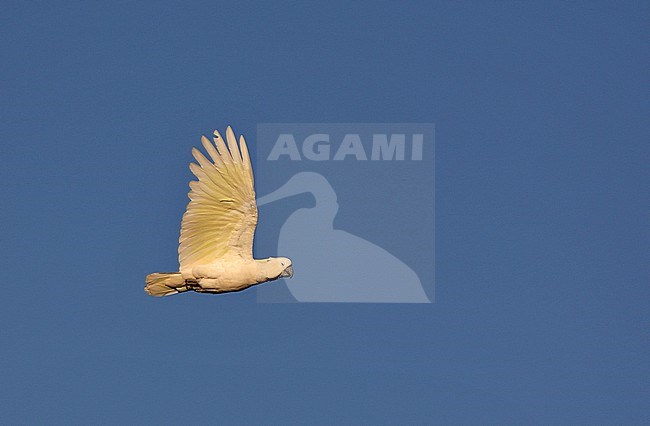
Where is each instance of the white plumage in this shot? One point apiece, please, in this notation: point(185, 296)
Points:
point(216, 243)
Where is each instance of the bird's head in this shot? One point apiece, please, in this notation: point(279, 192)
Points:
point(276, 267)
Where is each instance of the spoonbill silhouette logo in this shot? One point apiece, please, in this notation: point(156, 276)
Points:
point(333, 265)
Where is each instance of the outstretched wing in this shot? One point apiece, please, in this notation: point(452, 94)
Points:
point(221, 217)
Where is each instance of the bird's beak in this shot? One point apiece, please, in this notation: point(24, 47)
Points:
point(288, 272)
point(293, 187)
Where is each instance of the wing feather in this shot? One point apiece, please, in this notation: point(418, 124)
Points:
point(232, 146)
point(211, 150)
point(245, 157)
point(220, 219)
point(221, 147)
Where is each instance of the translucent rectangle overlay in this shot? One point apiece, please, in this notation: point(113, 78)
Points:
point(352, 205)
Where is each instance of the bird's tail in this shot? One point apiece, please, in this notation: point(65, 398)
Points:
point(165, 284)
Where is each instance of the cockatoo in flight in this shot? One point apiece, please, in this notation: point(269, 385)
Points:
point(216, 243)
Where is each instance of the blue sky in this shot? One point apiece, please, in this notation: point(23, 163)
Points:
point(541, 113)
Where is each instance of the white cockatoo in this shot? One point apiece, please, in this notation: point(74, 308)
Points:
point(216, 243)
